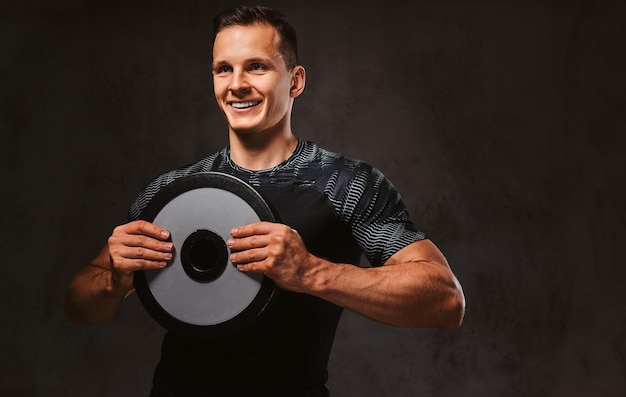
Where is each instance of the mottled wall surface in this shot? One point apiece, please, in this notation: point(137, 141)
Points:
point(502, 124)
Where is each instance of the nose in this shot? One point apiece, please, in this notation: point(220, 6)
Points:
point(238, 81)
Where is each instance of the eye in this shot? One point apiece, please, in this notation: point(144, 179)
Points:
point(222, 69)
point(257, 67)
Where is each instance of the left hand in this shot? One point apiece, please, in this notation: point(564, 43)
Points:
point(274, 249)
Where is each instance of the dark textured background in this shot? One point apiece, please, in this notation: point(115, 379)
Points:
point(502, 124)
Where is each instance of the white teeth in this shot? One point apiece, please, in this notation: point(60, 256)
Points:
point(243, 105)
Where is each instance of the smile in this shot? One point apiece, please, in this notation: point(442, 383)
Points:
point(244, 105)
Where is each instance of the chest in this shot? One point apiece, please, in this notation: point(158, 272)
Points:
point(308, 210)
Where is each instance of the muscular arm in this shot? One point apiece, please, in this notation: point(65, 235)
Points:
point(96, 293)
point(415, 287)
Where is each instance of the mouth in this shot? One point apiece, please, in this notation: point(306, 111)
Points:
point(244, 105)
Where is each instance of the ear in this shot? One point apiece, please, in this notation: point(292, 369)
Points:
point(298, 80)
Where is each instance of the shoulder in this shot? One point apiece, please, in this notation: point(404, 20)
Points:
point(335, 166)
point(157, 184)
point(345, 175)
point(364, 198)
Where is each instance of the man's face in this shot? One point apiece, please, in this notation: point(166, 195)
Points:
point(252, 85)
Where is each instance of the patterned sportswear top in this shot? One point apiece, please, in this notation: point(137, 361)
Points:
point(341, 208)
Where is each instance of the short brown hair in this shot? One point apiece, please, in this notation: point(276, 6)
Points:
point(250, 15)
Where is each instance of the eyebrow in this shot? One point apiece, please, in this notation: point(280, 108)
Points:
point(251, 60)
point(217, 64)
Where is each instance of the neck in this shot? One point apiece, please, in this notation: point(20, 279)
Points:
point(255, 153)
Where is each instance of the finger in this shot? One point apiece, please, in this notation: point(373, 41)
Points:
point(247, 256)
point(252, 229)
point(149, 243)
point(255, 267)
point(142, 227)
point(246, 243)
point(130, 265)
point(142, 253)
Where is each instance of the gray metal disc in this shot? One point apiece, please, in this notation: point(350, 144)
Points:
point(201, 291)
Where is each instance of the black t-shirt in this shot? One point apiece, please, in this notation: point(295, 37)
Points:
point(341, 208)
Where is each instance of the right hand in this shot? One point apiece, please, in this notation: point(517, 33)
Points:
point(137, 245)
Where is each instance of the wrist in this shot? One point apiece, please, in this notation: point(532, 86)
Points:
point(319, 276)
point(118, 287)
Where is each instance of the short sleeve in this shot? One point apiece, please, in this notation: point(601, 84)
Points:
point(373, 207)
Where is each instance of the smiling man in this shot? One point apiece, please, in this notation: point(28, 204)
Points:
point(254, 86)
point(333, 210)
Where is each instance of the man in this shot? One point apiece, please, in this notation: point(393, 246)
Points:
point(333, 209)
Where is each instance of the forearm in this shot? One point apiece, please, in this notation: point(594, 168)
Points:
point(406, 294)
point(97, 292)
point(92, 297)
point(414, 288)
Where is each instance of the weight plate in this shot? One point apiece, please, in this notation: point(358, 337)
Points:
point(201, 292)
